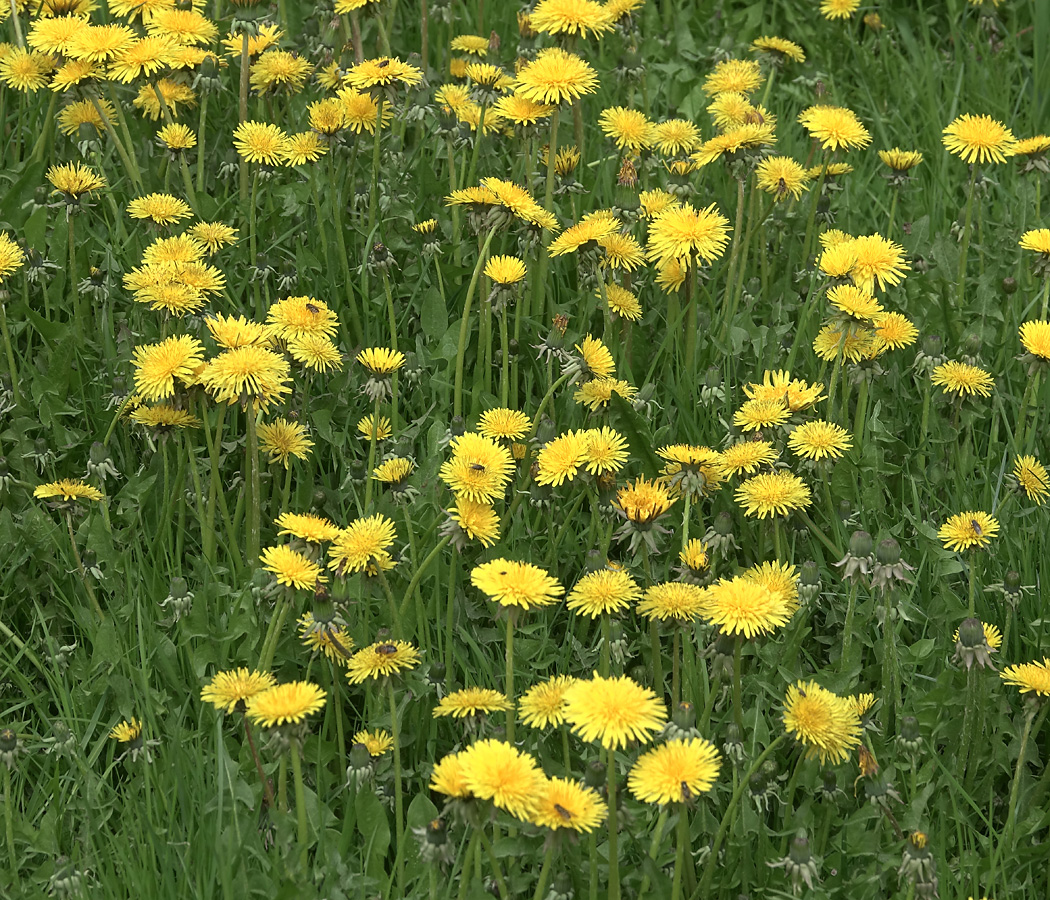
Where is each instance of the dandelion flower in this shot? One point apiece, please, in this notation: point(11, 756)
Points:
point(761, 413)
point(967, 530)
point(316, 352)
point(363, 546)
point(1035, 338)
point(835, 127)
point(643, 502)
point(747, 457)
point(556, 76)
point(232, 689)
point(386, 71)
point(894, 331)
point(449, 777)
point(505, 269)
point(287, 703)
point(503, 424)
point(259, 142)
point(674, 600)
point(682, 231)
point(74, 180)
point(622, 302)
point(779, 48)
point(740, 76)
point(497, 771)
point(675, 772)
point(745, 606)
point(368, 424)
point(291, 568)
point(603, 592)
point(780, 579)
point(247, 373)
point(824, 723)
point(375, 742)
point(471, 702)
point(479, 468)
point(561, 803)
point(819, 440)
point(162, 209)
point(838, 9)
point(11, 256)
point(520, 584)
point(979, 139)
point(127, 731)
point(781, 176)
point(597, 393)
point(585, 18)
point(282, 439)
point(773, 494)
point(794, 393)
point(307, 527)
point(674, 137)
point(543, 704)
point(381, 660)
point(613, 710)
point(68, 490)
point(560, 459)
point(629, 128)
point(1032, 478)
point(1031, 677)
point(962, 379)
point(879, 262)
point(478, 521)
point(158, 365)
point(381, 360)
point(606, 450)
point(900, 160)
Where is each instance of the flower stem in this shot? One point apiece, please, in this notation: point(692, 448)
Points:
point(300, 802)
point(373, 199)
point(510, 675)
point(964, 249)
point(372, 438)
point(255, 509)
point(9, 832)
point(273, 634)
point(682, 830)
point(847, 628)
point(545, 870)
point(201, 126)
point(654, 845)
point(464, 325)
point(11, 367)
point(242, 110)
point(738, 712)
point(80, 566)
point(614, 855)
point(539, 284)
point(399, 817)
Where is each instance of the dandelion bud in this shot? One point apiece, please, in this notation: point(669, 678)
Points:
point(734, 743)
point(9, 747)
point(359, 768)
point(594, 775)
point(380, 259)
point(561, 887)
point(684, 716)
point(974, 641)
point(436, 674)
point(434, 845)
point(909, 737)
point(829, 784)
point(918, 865)
point(100, 464)
point(800, 865)
point(859, 559)
point(809, 581)
point(5, 474)
point(889, 552)
point(860, 543)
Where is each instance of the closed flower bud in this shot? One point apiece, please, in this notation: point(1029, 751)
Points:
point(908, 737)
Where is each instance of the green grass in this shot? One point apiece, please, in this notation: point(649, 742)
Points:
point(189, 823)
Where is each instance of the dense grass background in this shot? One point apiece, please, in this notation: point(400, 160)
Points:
point(188, 824)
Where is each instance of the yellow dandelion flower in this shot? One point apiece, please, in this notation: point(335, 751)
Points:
point(747, 457)
point(682, 232)
point(979, 139)
point(817, 439)
point(740, 76)
point(1033, 677)
point(307, 527)
point(613, 710)
point(497, 771)
point(746, 606)
point(543, 704)
point(232, 689)
point(834, 127)
point(674, 600)
point(603, 592)
point(291, 568)
point(556, 76)
point(381, 660)
point(284, 704)
point(561, 803)
point(247, 373)
point(962, 379)
point(470, 702)
point(824, 723)
point(282, 439)
point(511, 583)
point(363, 546)
point(773, 494)
point(1032, 478)
point(675, 772)
point(158, 365)
point(967, 530)
point(68, 490)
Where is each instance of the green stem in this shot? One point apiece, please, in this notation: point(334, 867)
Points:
point(545, 869)
point(255, 508)
point(465, 877)
point(399, 816)
point(450, 611)
point(510, 675)
point(893, 210)
point(418, 575)
point(501, 885)
point(472, 172)
point(273, 634)
point(614, 854)
point(464, 325)
point(9, 831)
point(965, 248)
point(129, 164)
point(504, 382)
point(847, 628)
point(539, 284)
point(300, 802)
point(11, 367)
point(80, 566)
point(603, 662)
point(738, 711)
point(372, 438)
point(74, 283)
point(373, 199)
point(201, 127)
point(654, 845)
point(734, 255)
point(242, 110)
point(682, 830)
